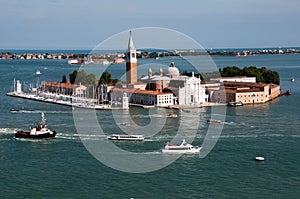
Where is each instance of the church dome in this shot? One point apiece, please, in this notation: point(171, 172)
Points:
point(172, 71)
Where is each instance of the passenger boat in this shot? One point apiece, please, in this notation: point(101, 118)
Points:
point(39, 131)
point(232, 103)
point(126, 137)
point(213, 121)
point(182, 148)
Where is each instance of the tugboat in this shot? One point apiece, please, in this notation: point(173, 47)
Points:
point(39, 131)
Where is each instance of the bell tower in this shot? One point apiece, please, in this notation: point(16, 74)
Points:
point(131, 63)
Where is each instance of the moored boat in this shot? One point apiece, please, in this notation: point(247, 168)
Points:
point(182, 148)
point(39, 131)
point(232, 103)
point(171, 115)
point(126, 137)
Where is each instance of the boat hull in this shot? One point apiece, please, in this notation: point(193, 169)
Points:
point(234, 104)
point(170, 151)
point(126, 139)
point(24, 134)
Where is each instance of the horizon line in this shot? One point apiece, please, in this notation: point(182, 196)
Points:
point(85, 49)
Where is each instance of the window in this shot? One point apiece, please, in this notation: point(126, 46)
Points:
point(133, 55)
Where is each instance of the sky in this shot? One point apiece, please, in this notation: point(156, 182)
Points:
point(77, 24)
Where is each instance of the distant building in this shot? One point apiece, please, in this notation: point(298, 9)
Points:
point(144, 97)
point(118, 60)
point(64, 88)
point(75, 61)
point(247, 93)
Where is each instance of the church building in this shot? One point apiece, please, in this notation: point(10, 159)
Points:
point(158, 90)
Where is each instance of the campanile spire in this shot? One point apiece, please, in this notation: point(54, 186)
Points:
point(130, 43)
point(131, 62)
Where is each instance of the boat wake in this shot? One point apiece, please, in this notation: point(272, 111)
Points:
point(8, 130)
point(71, 136)
point(40, 111)
point(148, 116)
point(257, 135)
point(44, 141)
point(230, 123)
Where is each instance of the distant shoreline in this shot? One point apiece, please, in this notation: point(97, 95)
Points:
point(87, 51)
point(9, 54)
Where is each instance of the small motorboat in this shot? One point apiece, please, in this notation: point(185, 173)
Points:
point(259, 158)
point(126, 137)
point(213, 121)
point(292, 79)
point(287, 93)
point(14, 110)
point(182, 148)
point(234, 104)
point(39, 131)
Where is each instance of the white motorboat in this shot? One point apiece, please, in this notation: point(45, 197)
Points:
point(182, 148)
point(258, 158)
point(232, 103)
point(292, 79)
point(126, 137)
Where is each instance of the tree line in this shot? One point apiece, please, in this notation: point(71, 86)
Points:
point(82, 77)
point(262, 74)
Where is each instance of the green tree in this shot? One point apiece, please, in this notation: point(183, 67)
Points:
point(262, 74)
point(105, 78)
point(231, 71)
point(91, 79)
point(64, 79)
point(73, 76)
point(271, 77)
point(81, 77)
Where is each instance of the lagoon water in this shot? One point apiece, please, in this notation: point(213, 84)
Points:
point(63, 168)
